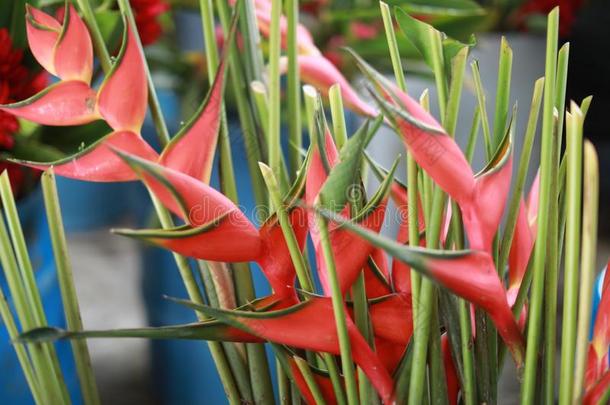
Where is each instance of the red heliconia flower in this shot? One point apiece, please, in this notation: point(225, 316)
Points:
point(146, 14)
point(72, 102)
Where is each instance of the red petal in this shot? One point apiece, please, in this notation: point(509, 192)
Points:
point(520, 249)
point(73, 59)
point(349, 250)
point(324, 383)
point(218, 230)
point(392, 318)
point(275, 258)
point(317, 173)
point(594, 395)
point(99, 161)
point(532, 204)
point(389, 353)
point(319, 72)
point(192, 150)
point(127, 77)
point(62, 104)
point(376, 275)
point(601, 329)
point(473, 276)
point(483, 212)
point(43, 32)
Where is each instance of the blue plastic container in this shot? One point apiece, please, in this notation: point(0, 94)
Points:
point(13, 387)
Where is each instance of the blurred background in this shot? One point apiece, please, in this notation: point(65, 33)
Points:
point(120, 282)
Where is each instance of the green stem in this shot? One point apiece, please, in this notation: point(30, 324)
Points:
point(310, 380)
point(482, 108)
point(587, 264)
point(552, 283)
point(68, 290)
point(96, 35)
point(337, 114)
point(502, 92)
point(28, 282)
point(546, 172)
point(22, 354)
point(41, 365)
point(274, 88)
point(412, 169)
point(573, 203)
point(293, 87)
point(339, 312)
point(283, 384)
point(524, 161)
point(153, 101)
point(362, 319)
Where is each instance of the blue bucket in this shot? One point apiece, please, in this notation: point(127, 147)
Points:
point(13, 386)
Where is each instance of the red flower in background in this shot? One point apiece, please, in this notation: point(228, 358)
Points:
point(568, 10)
point(17, 82)
point(146, 13)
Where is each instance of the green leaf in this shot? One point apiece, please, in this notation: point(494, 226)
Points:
point(336, 190)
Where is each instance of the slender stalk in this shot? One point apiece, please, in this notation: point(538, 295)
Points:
point(503, 92)
point(253, 143)
point(262, 104)
point(310, 380)
point(337, 114)
point(274, 88)
point(41, 365)
point(153, 99)
point(480, 92)
point(552, 282)
point(28, 282)
point(283, 384)
point(573, 203)
point(293, 87)
point(22, 354)
point(412, 169)
point(587, 264)
point(96, 35)
point(362, 319)
point(339, 311)
point(546, 167)
point(524, 161)
point(68, 290)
